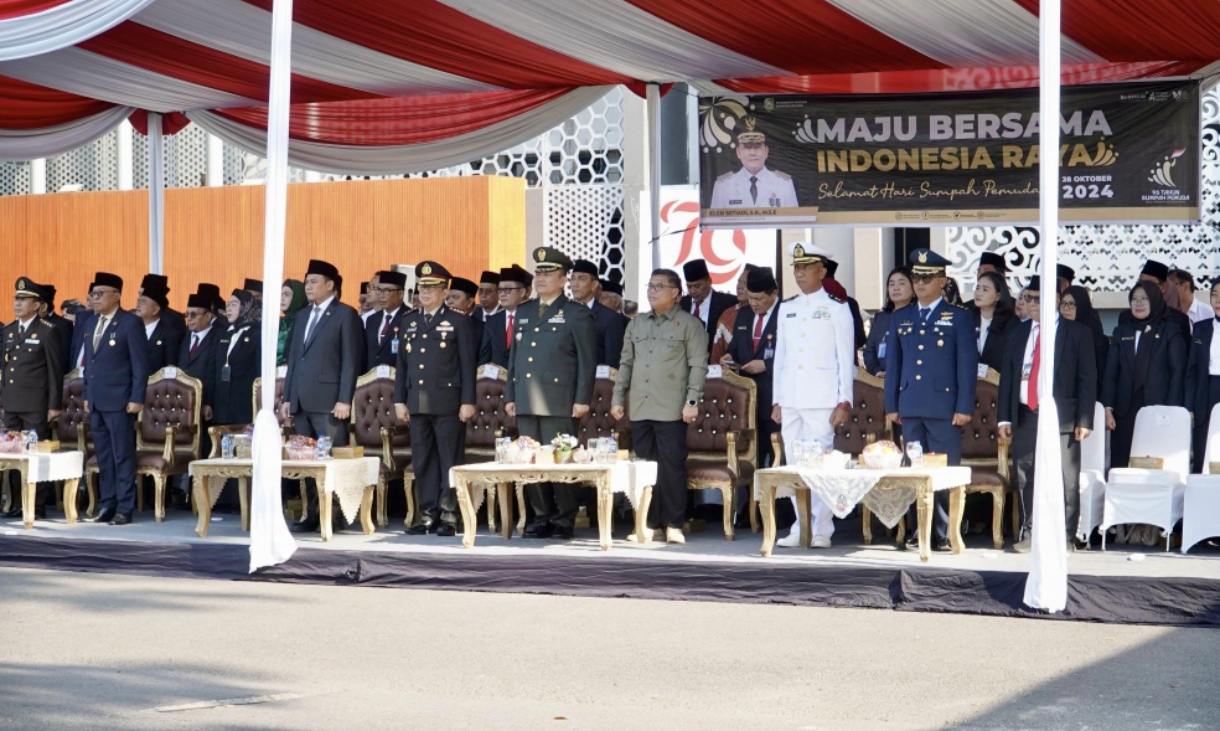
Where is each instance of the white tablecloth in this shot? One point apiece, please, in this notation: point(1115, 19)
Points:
point(629, 478)
point(50, 466)
point(344, 478)
point(843, 489)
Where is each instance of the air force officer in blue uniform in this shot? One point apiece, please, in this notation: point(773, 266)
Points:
point(116, 374)
point(930, 374)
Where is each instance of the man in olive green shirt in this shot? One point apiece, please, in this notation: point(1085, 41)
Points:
point(663, 367)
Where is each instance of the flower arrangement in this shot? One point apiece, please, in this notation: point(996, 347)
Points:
point(12, 442)
point(301, 448)
point(565, 443)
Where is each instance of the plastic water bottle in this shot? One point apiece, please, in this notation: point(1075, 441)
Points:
point(227, 448)
point(612, 449)
point(31, 443)
point(324, 448)
point(815, 453)
point(915, 454)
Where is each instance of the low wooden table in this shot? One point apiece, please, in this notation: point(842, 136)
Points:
point(36, 467)
point(208, 476)
point(634, 478)
point(857, 484)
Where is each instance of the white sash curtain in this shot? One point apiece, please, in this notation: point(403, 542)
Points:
point(32, 144)
point(62, 26)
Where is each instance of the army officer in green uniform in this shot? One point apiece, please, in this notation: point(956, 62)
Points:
point(551, 367)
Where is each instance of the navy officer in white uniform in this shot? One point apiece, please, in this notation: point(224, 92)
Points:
point(815, 358)
point(754, 185)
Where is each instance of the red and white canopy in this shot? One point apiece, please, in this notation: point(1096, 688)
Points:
point(412, 84)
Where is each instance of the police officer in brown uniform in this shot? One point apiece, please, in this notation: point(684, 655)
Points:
point(31, 389)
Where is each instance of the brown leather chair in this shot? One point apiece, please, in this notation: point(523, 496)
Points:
point(72, 427)
point(987, 456)
point(598, 422)
point(375, 427)
point(491, 422)
point(723, 450)
point(168, 435)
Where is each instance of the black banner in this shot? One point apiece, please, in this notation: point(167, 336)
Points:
point(1129, 153)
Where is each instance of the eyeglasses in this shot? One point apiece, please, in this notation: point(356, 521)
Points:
point(102, 292)
point(430, 287)
point(1031, 298)
point(386, 290)
point(925, 278)
point(508, 290)
point(659, 287)
point(1067, 305)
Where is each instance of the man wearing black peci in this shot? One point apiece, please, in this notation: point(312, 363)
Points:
point(702, 301)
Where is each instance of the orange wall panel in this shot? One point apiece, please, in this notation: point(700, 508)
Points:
point(215, 234)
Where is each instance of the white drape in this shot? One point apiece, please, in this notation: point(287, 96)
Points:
point(32, 144)
point(62, 26)
point(1046, 585)
point(402, 159)
point(156, 194)
point(270, 541)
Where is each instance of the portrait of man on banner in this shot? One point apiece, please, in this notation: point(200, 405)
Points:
point(754, 185)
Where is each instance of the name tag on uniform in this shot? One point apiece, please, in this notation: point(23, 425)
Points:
point(31, 341)
point(523, 321)
point(790, 314)
point(557, 320)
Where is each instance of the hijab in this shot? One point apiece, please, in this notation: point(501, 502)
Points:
point(249, 311)
point(1085, 314)
point(1143, 354)
point(298, 298)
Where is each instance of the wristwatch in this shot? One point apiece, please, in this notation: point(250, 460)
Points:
point(691, 403)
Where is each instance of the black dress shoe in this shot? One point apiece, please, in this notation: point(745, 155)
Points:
point(562, 533)
point(104, 516)
point(911, 543)
point(40, 512)
point(422, 527)
point(942, 544)
point(121, 519)
point(304, 526)
point(14, 512)
point(446, 530)
point(539, 530)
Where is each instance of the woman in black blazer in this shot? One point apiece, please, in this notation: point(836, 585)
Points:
point(992, 310)
point(238, 356)
point(1075, 304)
point(899, 291)
point(1203, 377)
point(1146, 366)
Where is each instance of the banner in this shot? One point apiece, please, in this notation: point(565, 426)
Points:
point(1129, 154)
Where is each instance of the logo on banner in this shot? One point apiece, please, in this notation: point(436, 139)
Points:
point(1162, 171)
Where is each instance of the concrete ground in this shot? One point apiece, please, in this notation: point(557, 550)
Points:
point(98, 651)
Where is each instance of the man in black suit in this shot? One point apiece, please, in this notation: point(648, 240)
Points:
point(62, 324)
point(323, 364)
point(381, 330)
point(254, 287)
point(164, 339)
point(551, 369)
point(514, 291)
point(702, 302)
point(610, 324)
point(31, 380)
point(82, 327)
point(489, 296)
point(160, 283)
point(751, 350)
point(1075, 394)
point(197, 358)
point(434, 393)
point(611, 295)
point(463, 298)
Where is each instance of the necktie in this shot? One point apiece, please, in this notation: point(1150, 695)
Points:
point(753, 188)
point(758, 328)
point(194, 345)
point(313, 320)
point(385, 325)
point(508, 333)
point(1032, 394)
point(541, 310)
point(97, 334)
point(923, 313)
point(698, 306)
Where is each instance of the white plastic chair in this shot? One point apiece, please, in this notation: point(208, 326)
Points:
point(1093, 476)
point(1201, 505)
point(1152, 497)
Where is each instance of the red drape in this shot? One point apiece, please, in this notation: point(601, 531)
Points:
point(21, 8)
point(28, 106)
point(171, 124)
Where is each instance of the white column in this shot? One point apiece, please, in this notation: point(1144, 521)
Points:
point(125, 158)
point(38, 176)
point(653, 104)
point(216, 162)
point(156, 194)
point(638, 261)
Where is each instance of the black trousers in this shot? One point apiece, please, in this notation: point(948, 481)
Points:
point(550, 502)
point(437, 443)
point(26, 422)
point(1202, 421)
point(941, 437)
point(664, 442)
point(315, 425)
point(114, 438)
point(1024, 446)
point(1124, 431)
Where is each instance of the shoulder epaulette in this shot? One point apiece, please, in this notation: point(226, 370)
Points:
point(959, 306)
point(836, 298)
point(45, 323)
point(726, 176)
point(792, 298)
point(782, 176)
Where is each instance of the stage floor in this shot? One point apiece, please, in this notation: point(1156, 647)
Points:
point(709, 546)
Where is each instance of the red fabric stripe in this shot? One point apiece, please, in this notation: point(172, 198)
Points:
point(805, 37)
point(21, 8)
point(1140, 30)
point(28, 106)
point(400, 121)
point(904, 82)
point(162, 53)
point(437, 36)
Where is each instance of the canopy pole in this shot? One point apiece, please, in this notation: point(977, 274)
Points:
point(270, 541)
point(156, 195)
point(1046, 586)
point(653, 110)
